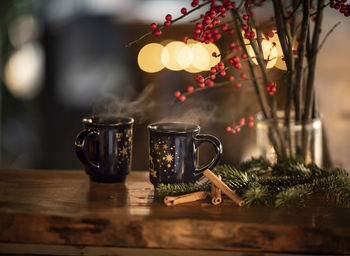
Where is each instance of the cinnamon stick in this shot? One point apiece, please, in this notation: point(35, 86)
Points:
point(187, 198)
point(216, 198)
point(224, 188)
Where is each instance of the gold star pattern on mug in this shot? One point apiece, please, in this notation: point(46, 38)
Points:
point(163, 152)
point(124, 151)
point(119, 136)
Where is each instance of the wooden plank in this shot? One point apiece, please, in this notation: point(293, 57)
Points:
point(67, 250)
point(65, 208)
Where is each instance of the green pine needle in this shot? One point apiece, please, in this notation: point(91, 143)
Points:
point(293, 195)
point(163, 190)
point(289, 181)
point(257, 195)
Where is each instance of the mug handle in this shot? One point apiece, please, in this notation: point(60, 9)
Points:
point(199, 139)
point(80, 149)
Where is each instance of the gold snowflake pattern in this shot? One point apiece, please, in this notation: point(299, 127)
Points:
point(119, 136)
point(169, 158)
point(153, 173)
point(165, 146)
point(124, 151)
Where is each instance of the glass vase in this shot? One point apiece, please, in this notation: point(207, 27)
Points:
point(277, 138)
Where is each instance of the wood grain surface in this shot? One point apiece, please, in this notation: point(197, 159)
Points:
point(65, 208)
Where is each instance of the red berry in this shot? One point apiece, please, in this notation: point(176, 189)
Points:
point(243, 75)
point(183, 10)
point(201, 85)
point(153, 26)
point(199, 25)
point(239, 48)
point(223, 73)
point(232, 45)
point(270, 34)
point(230, 31)
point(185, 39)
point(245, 27)
point(238, 129)
point(231, 78)
point(210, 83)
point(212, 70)
point(238, 65)
point(224, 27)
point(233, 131)
point(190, 89)
point(245, 16)
point(168, 17)
point(238, 85)
point(217, 37)
point(244, 56)
point(228, 128)
point(167, 24)
point(182, 98)
point(235, 59)
point(212, 77)
point(213, 54)
point(251, 118)
point(250, 124)
point(177, 94)
point(252, 34)
point(241, 121)
point(247, 35)
point(157, 32)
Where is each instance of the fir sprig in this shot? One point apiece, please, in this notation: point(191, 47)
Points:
point(289, 181)
point(176, 189)
point(294, 195)
point(257, 195)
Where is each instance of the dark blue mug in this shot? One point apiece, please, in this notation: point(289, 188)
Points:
point(173, 152)
point(105, 147)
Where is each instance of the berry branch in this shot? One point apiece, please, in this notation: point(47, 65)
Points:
point(292, 21)
point(158, 31)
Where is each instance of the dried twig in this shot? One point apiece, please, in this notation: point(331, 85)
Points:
point(161, 27)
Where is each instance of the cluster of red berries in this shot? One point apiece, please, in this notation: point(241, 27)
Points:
point(236, 62)
point(271, 88)
point(157, 31)
point(180, 96)
point(341, 6)
point(241, 123)
point(205, 31)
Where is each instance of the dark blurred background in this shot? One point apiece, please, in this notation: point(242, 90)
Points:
point(62, 60)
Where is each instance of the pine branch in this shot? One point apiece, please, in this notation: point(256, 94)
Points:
point(257, 195)
point(255, 164)
point(176, 189)
point(289, 181)
point(294, 195)
point(336, 187)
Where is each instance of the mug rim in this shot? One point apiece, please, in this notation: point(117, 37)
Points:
point(119, 120)
point(187, 127)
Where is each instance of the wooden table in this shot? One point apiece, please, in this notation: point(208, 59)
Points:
point(62, 212)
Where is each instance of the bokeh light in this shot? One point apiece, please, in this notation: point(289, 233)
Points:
point(149, 58)
point(24, 71)
point(193, 57)
point(176, 56)
point(269, 53)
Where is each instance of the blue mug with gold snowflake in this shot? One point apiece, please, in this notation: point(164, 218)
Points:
point(105, 147)
point(174, 154)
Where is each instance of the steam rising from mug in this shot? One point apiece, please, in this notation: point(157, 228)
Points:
point(151, 106)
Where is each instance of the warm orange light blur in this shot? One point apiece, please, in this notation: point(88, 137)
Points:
point(193, 57)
